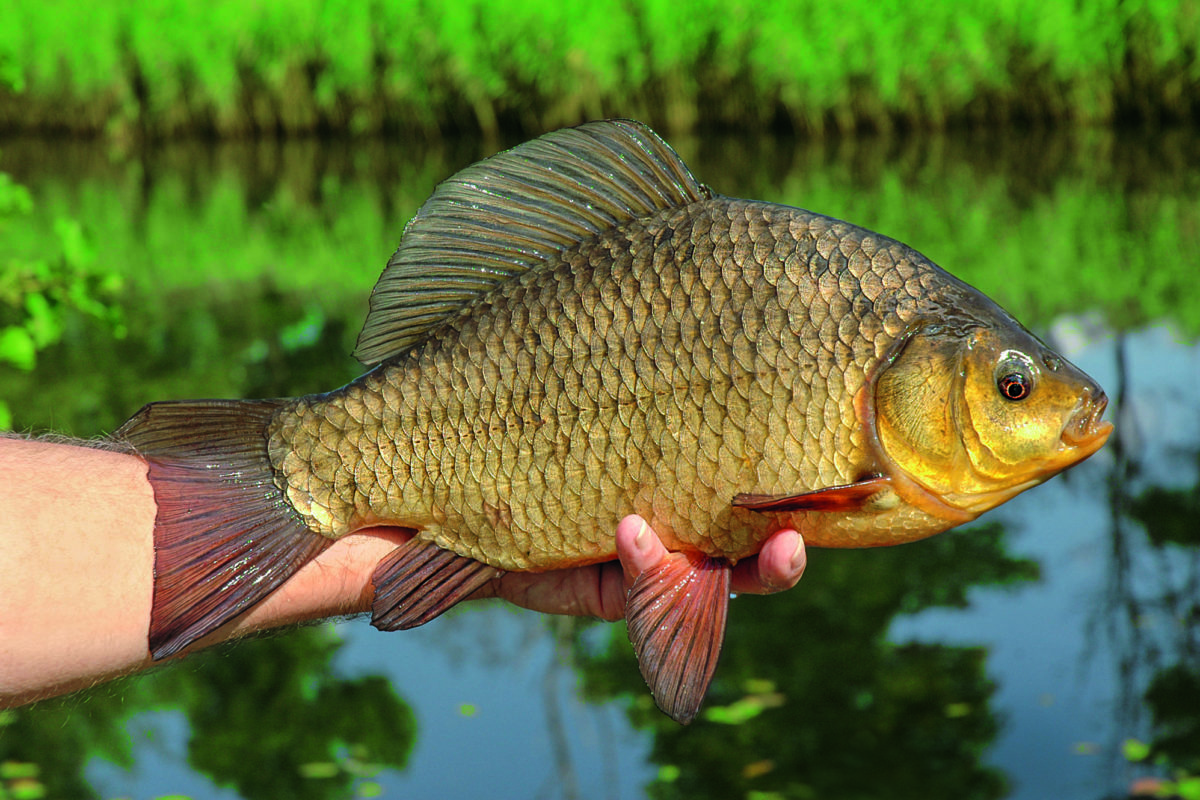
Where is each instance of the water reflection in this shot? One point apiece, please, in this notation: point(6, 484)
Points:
point(266, 721)
point(812, 700)
point(1009, 659)
point(1153, 587)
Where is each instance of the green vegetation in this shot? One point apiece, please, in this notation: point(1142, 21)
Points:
point(42, 289)
point(228, 68)
point(39, 294)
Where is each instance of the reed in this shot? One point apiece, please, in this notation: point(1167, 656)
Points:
point(227, 68)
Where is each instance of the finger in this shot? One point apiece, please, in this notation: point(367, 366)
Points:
point(598, 590)
point(593, 591)
point(777, 567)
point(638, 547)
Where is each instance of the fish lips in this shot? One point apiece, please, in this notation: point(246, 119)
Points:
point(1085, 431)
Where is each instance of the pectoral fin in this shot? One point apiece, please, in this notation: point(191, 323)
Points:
point(851, 497)
point(419, 581)
point(676, 617)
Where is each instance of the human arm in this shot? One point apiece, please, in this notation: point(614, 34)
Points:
point(77, 571)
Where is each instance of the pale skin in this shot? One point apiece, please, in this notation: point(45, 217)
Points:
point(77, 557)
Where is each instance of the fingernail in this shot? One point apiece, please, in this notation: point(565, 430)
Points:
point(799, 557)
point(642, 540)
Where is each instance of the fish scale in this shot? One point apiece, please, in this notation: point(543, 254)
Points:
point(569, 441)
point(576, 330)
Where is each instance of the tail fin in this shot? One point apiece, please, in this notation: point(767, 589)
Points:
point(225, 536)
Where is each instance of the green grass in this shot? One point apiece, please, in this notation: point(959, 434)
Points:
point(226, 67)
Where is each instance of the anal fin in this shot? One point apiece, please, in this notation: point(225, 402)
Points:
point(419, 581)
point(676, 616)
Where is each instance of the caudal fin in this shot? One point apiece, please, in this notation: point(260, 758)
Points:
point(225, 536)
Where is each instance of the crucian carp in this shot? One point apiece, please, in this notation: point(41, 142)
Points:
point(577, 329)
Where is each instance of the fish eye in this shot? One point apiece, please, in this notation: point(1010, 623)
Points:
point(1015, 375)
point(1014, 385)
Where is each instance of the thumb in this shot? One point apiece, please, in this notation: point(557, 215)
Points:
point(638, 547)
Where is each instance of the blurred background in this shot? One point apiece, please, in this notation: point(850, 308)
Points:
point(196, 198)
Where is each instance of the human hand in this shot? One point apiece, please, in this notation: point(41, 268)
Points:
point(599, 590)
point(338, 581)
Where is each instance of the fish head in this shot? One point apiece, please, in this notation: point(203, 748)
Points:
point(977, 414)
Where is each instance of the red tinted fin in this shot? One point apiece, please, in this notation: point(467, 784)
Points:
point(419, 581)
point(224, 535)
point(676, 617)
point(851, 497)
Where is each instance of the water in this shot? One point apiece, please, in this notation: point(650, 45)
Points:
point(1011, 658)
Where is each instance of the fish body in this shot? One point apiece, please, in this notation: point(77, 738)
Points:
point(663, 368)
point(576, 330)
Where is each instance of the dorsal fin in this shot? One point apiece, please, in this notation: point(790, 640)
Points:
point(506, 214)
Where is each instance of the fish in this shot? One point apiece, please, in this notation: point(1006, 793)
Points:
point(577, 329)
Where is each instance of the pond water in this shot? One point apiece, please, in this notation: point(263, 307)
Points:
point(1011, 658)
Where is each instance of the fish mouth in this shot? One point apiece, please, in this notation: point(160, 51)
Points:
point(1085, 430)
